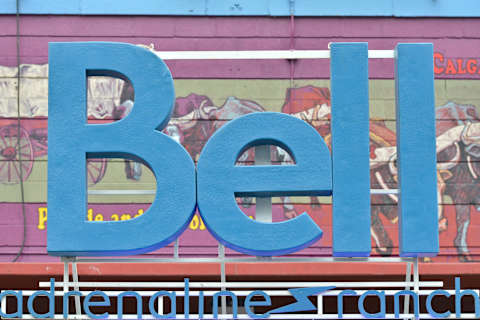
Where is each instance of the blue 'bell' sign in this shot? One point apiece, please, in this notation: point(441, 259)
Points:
point(213, 185)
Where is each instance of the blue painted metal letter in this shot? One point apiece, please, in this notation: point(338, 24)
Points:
point(350, 150)
point(416, 150)
point(219, 181)
point(72, 141)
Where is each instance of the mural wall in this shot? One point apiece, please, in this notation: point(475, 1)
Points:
point(209, 95)
point(196, 117)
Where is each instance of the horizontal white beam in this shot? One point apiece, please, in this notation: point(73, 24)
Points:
point(240, 293)
point(249, 259)
point(261, 54)
point(383, 191)
point(202, 285)
point(112, 192)
point(120, 192)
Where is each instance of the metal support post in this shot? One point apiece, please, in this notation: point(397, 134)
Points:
point(66, 277)
point(176, 254)
point(78, 308)
point(263, 208)
point(223, 277)
point(408, 278)
point(416, 276)
point(263, 205)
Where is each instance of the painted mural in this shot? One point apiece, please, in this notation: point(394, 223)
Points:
point(203, 106)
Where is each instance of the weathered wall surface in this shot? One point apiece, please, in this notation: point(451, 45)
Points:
point(209, 93)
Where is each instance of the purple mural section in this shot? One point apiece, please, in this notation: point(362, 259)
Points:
point(451, 38)
point(196, 116)
point(196, 241)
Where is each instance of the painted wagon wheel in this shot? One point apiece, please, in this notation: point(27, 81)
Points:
point(95, 170)
point(39, 138)
point(9, 154)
